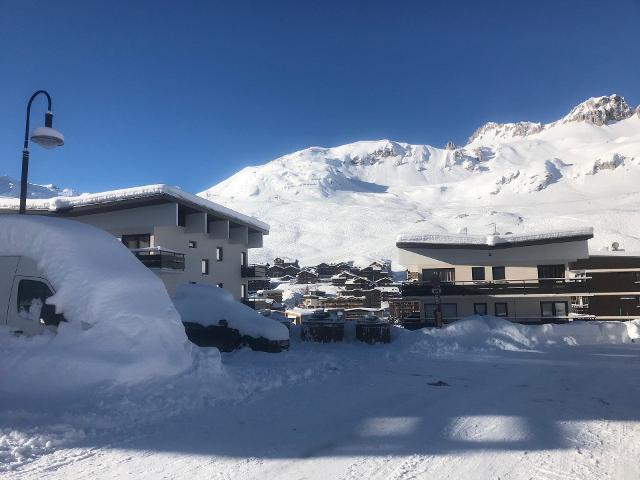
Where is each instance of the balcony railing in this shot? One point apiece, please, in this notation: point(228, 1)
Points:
point(568, 286)
point(254, 271)
point(160, 258)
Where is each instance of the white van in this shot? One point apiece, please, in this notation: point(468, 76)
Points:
point(23, 291)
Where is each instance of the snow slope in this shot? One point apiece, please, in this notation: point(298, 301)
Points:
point(351, 201)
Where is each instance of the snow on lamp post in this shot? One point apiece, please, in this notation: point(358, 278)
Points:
point(47, 137)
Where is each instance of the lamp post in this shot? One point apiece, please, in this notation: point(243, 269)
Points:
point(47, 137)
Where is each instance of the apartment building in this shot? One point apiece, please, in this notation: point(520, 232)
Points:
point(523, 278)
point(183, 238)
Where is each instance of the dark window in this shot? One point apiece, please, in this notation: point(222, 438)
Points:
point(192, 283)
point(31, 297)
point(243, 259)
point(141, 240)
point(497, 273)
point(551, 271)
point(205, 266)
point(219, 254)
point(477, 273)
point(480, 308)
point(501, 309)
point(554, 309)
point(443, 274)
point(193, 244)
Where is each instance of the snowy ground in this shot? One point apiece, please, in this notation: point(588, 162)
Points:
point(515, 405)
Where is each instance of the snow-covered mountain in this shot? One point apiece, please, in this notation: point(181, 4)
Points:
point(351, 201)
point(10, 187)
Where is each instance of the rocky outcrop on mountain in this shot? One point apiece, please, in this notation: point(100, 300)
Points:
point(600, 111)
point(505, 131)
point(611, 162)
point(10, 187)
point(450, 146)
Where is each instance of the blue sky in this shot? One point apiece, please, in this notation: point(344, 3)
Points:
point(188, 93)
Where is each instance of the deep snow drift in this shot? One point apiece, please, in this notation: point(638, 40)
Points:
point(195, 304)
point(351, 201)
point(122, 325)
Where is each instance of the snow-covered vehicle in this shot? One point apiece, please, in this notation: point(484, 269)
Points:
point(212, 318)
point(23, 292)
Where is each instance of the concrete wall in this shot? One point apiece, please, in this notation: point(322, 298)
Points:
point(161, 222)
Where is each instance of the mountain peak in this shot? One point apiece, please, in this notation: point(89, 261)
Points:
point(600, 110)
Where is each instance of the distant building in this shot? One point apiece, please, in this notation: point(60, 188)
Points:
point(306, 276)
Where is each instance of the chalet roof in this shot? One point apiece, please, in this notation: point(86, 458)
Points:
point(489, 242)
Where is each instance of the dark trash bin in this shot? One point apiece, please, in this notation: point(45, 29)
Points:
point(322, 327)
point(372, 329)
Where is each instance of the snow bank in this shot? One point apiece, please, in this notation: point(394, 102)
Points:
point(481, 333)
point(121, 326)
point(207, 305)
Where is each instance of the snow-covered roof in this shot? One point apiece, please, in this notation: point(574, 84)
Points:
point(62, 203)
point(447, 240)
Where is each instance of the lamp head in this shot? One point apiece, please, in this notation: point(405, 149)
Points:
point(47, 136)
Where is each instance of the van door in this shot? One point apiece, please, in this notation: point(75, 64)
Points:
point(8, 266)
point(28, 314)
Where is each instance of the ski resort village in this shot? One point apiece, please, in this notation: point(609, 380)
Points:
point(187, 300)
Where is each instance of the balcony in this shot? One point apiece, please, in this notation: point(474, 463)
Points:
point(160, 258)
point(254, 271)
point(538, 286)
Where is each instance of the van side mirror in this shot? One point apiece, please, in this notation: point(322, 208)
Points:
point(48, 315)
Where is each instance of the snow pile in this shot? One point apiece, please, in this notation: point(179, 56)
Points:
point(492, 240)
point(207, 305)
point(483, 333)
point(122, 326)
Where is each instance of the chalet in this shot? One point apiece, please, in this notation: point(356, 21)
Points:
point(275, 295)
point(306, 276)
point(384, 282)
point(311, 301)
point(523, 278)
point(387, 293)
point(286, 262)
point(287, 278)
point(339, 279)
point(291, 270)
point(182, 238)
point(325, 270)
point(372, 297)
point(275, 271)
point(357, 283)
point(342, 302)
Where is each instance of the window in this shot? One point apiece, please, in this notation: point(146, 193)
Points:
point(554, 309)
point(243, 259)
point(31, 297)
point(551, 271)
point(193, 244)
point(205, 266)
point(480, 308)
point(218, 254)
point(141, 240)
point(243, 291)
point(497, 273)
point(443, 274)
point(477, 273)
point(501, 309)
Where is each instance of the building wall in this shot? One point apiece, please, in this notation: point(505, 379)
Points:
point(520, 262)
point(161, 222)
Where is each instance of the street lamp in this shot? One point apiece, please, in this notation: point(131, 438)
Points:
point(47, 137)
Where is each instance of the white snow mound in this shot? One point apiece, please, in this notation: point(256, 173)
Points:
point(483, 333)
point(207, 305)
point(121, 325)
